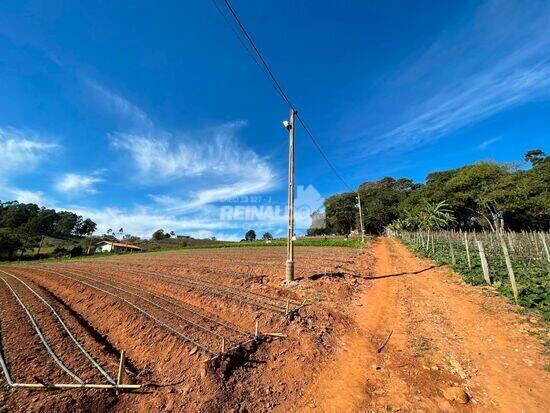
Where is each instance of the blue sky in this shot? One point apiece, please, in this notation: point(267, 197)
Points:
point(147, 117)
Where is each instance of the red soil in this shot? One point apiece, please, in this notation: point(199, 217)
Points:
point(382, 331)
point(443, 334)
point(175, 379)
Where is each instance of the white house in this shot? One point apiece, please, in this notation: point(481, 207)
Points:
point(110, 246)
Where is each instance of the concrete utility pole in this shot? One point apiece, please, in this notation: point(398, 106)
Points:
point(361, 218)
point(289, 269)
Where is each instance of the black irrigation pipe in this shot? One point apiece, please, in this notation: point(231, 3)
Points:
point(257, 299)
point(41, 336)
point(4, 366)
point(200, 327)
point(171, 313)
point(274, 301)
point(139, 309)
point(71, 336)
point(224, 291)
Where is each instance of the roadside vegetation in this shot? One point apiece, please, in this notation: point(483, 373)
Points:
point(527, 252)
point(480, 196)
point(491, 213)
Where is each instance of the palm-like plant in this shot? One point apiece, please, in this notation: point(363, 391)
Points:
point(433, 216)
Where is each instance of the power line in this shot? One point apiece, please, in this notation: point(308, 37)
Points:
point(276, 84)
point(322, 152)
point(241, 40)
point(270, 73)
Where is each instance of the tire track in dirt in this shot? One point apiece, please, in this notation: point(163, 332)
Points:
point(441, 336)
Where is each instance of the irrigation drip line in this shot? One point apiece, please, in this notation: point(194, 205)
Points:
point(5, 369)
point(268, 300)
point(196, 325)
point(75, 386)
point(255, 299)
point(139, 309)
point(71, 336)
point(188, 309)
point(173, 314)
point(187, 282)
point(250, 299)
point(41, 336)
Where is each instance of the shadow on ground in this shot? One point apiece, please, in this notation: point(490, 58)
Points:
point(399, 274)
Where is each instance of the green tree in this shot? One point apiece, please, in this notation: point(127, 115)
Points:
point(9, 242)
point(267, 236)
point(250, 235)
point(380, 201)
point(88, 227)
point(434, 216)
point(131, 238)
point(67, 224)
point(15, 215)
point(341, 213)
point(158, 235)
point(536, 156)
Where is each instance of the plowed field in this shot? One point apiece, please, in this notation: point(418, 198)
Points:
point(186, 322)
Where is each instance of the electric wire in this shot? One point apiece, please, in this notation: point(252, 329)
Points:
point(267, 70)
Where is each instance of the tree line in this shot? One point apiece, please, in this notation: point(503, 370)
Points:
point(24, 226)
point(483, 195)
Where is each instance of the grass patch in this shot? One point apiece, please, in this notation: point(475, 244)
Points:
point(281, 242)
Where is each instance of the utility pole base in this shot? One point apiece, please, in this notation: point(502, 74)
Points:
point(289, 271)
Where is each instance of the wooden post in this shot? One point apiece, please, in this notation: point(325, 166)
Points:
point(467, 245)
point(452, 251)
point(287, 307)
point(223, 345)
point(120, 369)
point(484, 264)
point(289, 269)
point(509, 266)
point(511, 242)
point(545, 246)
point(427, 241)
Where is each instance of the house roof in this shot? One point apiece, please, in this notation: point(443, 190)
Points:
point(120, 244)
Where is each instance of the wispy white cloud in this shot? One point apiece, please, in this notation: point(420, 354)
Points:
point(23, 195)
point(22, 150)
point(189, 171)
point(213, 155)
point(497, 60)
point(487, 142)
point(130, 114)
point(213, 151)
point(144, 220)
point(74, 184)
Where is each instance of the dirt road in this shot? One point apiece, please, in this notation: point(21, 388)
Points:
point(439, 334)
